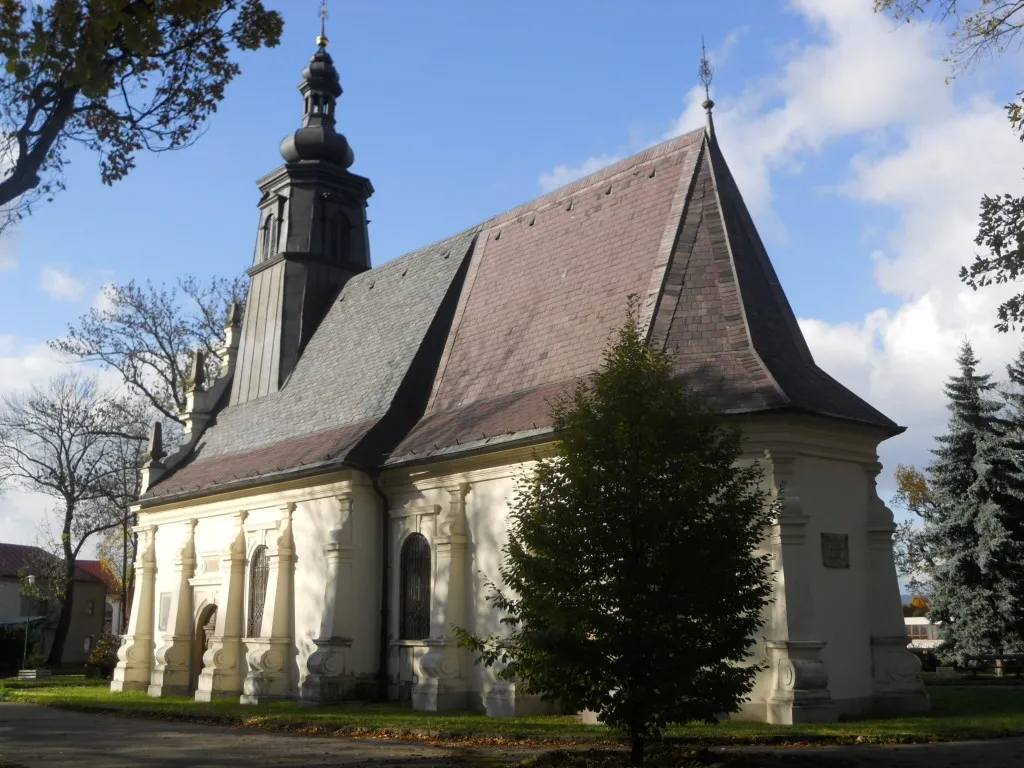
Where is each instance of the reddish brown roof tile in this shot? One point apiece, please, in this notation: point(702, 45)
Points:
point(17, 560)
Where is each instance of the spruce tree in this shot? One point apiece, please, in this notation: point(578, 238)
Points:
point(1010, 469)
point(966, 531)
point(634, 586)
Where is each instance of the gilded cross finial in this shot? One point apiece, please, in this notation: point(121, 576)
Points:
point(322, 39)
point(706, 73)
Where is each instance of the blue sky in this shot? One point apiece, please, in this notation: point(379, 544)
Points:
point(862, 168)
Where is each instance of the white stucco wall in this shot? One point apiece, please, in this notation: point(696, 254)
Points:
point(825, 466)
point(835, 495)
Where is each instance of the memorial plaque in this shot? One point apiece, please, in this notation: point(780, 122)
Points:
point(835, 550)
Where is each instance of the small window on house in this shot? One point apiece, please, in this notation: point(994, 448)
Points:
point(259, 570)
point(108, 617)
point(90, 607)
point(415, 579)
point(87, 643)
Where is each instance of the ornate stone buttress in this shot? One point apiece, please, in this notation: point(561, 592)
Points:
point(222, 662)
point(799, 690)
point(170, 675)
point(444, 681)
point(135, 656)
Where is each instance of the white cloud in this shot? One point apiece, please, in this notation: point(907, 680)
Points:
point(60, 284)
point(561, 175)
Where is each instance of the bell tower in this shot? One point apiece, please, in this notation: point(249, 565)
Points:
point(312, 237)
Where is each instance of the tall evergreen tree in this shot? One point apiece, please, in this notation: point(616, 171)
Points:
point(1010, 469)
point(966, 531)
point(635, 582)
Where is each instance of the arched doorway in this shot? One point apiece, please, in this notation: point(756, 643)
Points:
point(201, 640)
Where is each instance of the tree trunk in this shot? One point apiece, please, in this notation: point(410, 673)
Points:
point(636, 753)
point(64, 622)
point(125, 533)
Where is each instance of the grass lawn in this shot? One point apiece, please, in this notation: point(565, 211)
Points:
point(958, 712)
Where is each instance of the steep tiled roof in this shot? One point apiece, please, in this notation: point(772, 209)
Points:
point(19, 559)
point(418, 359)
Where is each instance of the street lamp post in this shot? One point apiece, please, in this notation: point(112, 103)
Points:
point(31, 582)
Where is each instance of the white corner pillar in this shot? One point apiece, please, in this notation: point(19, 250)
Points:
point(135, 656)
point(267, 677)
point(329, 679)
point(222, 662)
point(170, 675)
point(895, 671)
point(799, 691)
point(444, 684)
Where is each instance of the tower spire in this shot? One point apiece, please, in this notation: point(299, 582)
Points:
point(706, 72)
point(318, 139)
point(322, 40)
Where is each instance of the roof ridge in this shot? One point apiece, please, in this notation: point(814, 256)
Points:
point(653, 152)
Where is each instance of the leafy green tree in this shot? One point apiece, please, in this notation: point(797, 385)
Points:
point(633, 584)
point(971, 540)
point(979, 30)
point(116, 76)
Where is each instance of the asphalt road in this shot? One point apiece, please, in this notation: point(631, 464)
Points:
point(39, 737)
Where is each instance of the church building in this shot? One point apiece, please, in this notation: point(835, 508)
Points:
point(342, 490)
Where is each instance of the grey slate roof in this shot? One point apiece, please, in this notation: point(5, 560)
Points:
point(346, 379)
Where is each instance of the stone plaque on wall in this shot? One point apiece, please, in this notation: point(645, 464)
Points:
point(835, 550)
point(165, 611)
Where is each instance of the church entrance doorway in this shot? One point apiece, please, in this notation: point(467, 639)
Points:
point(205, 624)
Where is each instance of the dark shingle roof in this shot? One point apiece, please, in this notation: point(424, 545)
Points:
point(346, 380)
point(419, 359)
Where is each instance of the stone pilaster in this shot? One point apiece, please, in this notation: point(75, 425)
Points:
point(222, 662)
point(444, 683)
point(135, 656)
point(328, 679)
point(170, 676)
point(267, 655)
point(799, 675)
point(898, 688)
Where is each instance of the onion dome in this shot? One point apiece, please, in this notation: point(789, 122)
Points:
point(317, 139)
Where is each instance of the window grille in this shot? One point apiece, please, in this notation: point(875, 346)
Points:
point(259, 570)
point(415, 575)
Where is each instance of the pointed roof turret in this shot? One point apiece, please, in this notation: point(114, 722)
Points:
point(317, 139)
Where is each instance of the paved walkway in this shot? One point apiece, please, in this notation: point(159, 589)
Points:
point(39, 737)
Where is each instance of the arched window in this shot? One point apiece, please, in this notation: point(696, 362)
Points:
point(415, 574)
point(259, 568)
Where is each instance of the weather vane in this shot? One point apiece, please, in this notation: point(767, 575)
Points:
point(322, 40)
point(705, 72)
